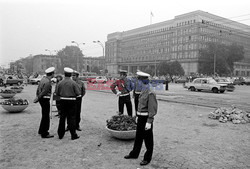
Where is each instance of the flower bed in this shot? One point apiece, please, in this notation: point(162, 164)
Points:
point(7, 93)
point(15, 105)
point(122, 126)
point(233, 114)
point(17, 89)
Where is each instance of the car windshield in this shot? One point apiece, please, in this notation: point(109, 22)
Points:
point(212, 81)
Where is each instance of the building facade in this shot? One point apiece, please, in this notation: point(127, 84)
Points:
point(42, 62)
point(179, 39)
point(89, 63)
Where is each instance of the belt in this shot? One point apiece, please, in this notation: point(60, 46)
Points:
point(46, 97)
point(142, 113)
point(137, 92)
point(68, 98)
point(124, 94)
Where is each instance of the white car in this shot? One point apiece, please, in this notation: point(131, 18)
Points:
point(100, 79)
point(208, 84)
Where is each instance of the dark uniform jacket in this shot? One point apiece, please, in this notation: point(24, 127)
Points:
point(44, 88)
point(138, 87)
point(68, 88)
point(81, 86)
point(148, 103)
point(124, 86)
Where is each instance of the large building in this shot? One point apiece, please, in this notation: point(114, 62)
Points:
point(42, 62)
point(178, 39)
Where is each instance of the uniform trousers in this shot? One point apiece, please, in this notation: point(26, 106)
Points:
point(136, 100)
point(68, 110)
point(143, 135)
point(78, 111)
point(45, 120)
point(125, 100)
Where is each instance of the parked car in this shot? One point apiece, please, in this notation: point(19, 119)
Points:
point(100, 79)
point(239, 81)
point(229, 83)
point(182, 79)
point(208, 84)
point(247, 81)
point(12, 80)
point(36, 80)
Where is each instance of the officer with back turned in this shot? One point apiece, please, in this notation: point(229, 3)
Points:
point(43, 95)
point(68, 91)
point(124, 86)
point(75, 77)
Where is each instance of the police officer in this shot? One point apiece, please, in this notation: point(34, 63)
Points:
point(80, 83)
point(147, 109)
point(137, 91)
point(43, 94)
point(124, 86)
point(68, 91)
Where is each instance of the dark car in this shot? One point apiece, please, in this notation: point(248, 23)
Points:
point(239, 81)
point(182, 79)
point(12, 80)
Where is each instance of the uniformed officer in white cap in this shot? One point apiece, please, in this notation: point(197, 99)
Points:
point(138, 86)
point(80, 83)
point(43, 95)
point(147, 109)
point(124, 86)
point(68, 91)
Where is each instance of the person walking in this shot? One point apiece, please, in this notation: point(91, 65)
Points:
point(43, 94)
point(68, 91)
point(147, 109)
point(75, 77)
point(124, 86)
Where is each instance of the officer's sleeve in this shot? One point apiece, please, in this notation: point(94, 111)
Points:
point(152, 107)
point(113, 86)
point(83, 90)
point(45, 90)
point(76, 89)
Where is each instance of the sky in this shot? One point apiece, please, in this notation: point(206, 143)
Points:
point(29, 27)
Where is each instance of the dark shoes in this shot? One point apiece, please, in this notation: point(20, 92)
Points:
point(143, 162)
point(75, 137)
point(78, 129)
point(47, 136)
point(130, 157)
point(67, 129)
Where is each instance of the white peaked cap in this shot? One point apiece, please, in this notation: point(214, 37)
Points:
point(76, 72)
point(49, 70)
point(68, 70)
point(143, 74)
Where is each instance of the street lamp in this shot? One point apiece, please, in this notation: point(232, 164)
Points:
point(77, 57)
point(48, 50)
point(100, 43)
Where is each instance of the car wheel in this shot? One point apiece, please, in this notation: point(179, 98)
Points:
point(222, 91)
point(192, 88)
point(199, 90)
point(215, 90)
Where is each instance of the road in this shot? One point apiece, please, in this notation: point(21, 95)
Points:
point(184, 136)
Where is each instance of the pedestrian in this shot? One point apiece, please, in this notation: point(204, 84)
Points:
point(43, 95)
point(75, 77)
point(137, 91)
point(68, 91)
point(167, 81)
point(57, 98)
point(147, 109)
point(124, 86)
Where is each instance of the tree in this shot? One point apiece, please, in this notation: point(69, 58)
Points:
point(96, 70)
point(150, 71)
point(69, 56)
point(171, 68)
point(220, 55)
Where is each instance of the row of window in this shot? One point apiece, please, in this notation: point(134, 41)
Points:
point(185, 22)
point(180, 55)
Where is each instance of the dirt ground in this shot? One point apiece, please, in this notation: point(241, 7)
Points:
point(184, 138)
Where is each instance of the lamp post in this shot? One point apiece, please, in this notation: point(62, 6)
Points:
point(103, 53)
point(77, 57)
point(48, 50)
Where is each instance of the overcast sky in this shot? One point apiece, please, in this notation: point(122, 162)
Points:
point(28, 27)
